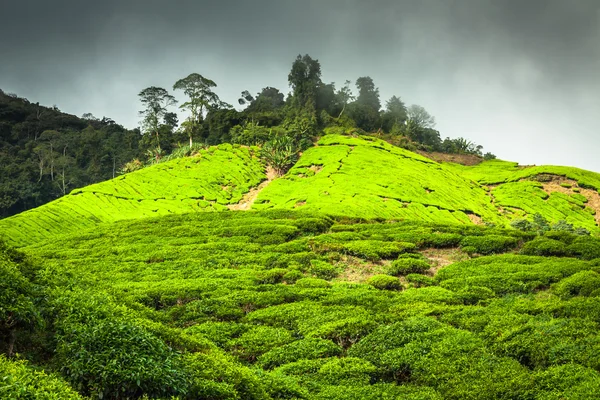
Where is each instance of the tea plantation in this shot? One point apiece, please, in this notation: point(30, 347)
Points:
point(365, 272)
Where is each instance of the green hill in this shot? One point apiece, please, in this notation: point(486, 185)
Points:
point(341, 176)
point(210, 181)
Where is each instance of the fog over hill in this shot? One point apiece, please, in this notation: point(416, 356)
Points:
point(520, 78)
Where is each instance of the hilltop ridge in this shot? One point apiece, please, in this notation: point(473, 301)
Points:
point(348, 176)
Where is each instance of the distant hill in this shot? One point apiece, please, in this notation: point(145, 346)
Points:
point(341, 176)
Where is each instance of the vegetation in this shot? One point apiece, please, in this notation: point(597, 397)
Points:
point(260, 305)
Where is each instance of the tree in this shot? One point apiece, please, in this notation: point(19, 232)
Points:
point(156, 100)
point(395, 114)
point(305, 78)
point(368, 94)
point(342, 97)
point(201, 97)
point(420, 117)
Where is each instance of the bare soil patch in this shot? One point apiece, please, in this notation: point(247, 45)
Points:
point(249, 198)
point(464, 159)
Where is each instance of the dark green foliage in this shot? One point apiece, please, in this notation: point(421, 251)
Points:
point(375, 250)
point(112, 359)
point(385, 282)
point(584, 283)
point(585, 247)
point(545, 247)
point(20, 381)
point(408, 265)
point(257, 341)
point(305, 349)
point(490, 244)
point(324, 270)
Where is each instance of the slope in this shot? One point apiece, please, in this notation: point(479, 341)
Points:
point(556, 192)
point(368, 178)
point(219, 176)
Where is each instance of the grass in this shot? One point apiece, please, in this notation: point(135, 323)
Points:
point(217, 177)
point(256, 301)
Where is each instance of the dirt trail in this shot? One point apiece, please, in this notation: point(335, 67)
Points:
point(249, 198)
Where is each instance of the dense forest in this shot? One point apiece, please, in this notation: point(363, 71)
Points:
point(45, 153)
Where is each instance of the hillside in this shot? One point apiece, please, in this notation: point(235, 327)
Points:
point(288, 304)
point(210, 181)
point(359, 177)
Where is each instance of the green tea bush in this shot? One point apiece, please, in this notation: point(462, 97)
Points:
point(545, 247)
point(490, 244)
point(390, 337)
point(385, 282)
point(419, 281)
point(312, 283)
point(304, 349)
point(568, 381)
point(347, 371)
point(292, 276)
point(113, 359)
point(563, 236)
point(323, 270)
point(257, 341)
point(218, 332)
point(345, 331)
point(375, 250)
point(475, 294)
point(378, 391)
point(271, 276)
point(584, 283)
point(405, 266)
point(585, 247)
point(216, 376)
point(19, 381)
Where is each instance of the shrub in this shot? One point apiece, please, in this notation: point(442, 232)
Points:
point(347, 371)
point(312, 283)
point(259, 340)
point(375, 250)
point(404, 266)
point(345, 332)
point(215, 376)
point(522, 225)
point(114, 359)
point(586, 248)
point(475, 294)
point(305, 349)
point(545, 247)
point(418, 280)
point(489, 244)
point(271, 276)
point(563, 236)
point(19, 381)
point(385, 282)
point(323, 270)
point(583, 283)
point(293, 276)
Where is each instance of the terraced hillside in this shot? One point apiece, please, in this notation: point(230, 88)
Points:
point(341, 176)
point(557, 193)
point(217, 177)
point(368, 178)
point(288, 304)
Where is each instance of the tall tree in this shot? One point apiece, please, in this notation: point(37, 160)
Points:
point(156, 101)
point(201, 97)
point(419, 116)
point(305, 79)
point(342, 97)
point(395, 114)
point(368, 94)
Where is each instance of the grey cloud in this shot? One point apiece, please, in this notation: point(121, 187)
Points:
point(519, 77)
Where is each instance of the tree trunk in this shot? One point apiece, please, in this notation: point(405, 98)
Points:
point(190, 142)
point(12, 337)
point(341, 112)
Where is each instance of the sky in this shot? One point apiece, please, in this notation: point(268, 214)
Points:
point(519, 77)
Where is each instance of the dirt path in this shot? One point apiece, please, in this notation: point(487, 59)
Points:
point(591, 195)
point(249, 198)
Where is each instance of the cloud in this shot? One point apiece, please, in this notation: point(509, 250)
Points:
point(518, 77)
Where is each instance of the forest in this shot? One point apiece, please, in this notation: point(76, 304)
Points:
point(45, 153)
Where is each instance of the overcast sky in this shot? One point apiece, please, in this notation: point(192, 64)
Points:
point(520, 77)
